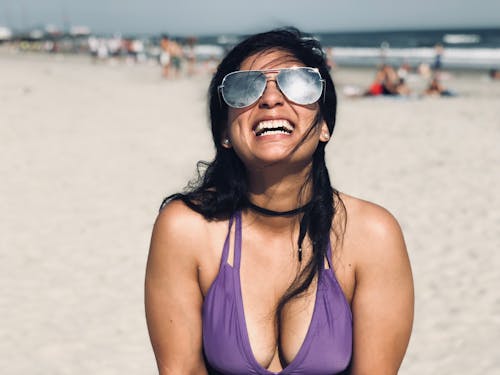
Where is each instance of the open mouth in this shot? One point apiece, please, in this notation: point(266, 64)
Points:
point(271, 127)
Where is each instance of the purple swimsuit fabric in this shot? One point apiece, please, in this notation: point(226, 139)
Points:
point(327, 346)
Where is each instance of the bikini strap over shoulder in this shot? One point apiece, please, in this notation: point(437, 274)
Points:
point(225, 249)
point(329, 255)
point(237, 241)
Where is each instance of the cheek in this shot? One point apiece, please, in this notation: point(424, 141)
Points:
point(233, 113)
point(310, 117)
point(232, 128)
point(231, 116)
point(231, 124)
point(235, 119)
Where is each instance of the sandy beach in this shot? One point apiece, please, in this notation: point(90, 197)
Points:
point(88, 151)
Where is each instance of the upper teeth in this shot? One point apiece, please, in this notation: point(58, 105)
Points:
point(273, 125)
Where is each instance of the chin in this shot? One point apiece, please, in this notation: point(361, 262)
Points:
point(283, 160)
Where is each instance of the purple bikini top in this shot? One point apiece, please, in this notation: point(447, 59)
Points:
point(327, 346)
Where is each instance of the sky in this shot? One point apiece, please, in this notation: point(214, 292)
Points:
point(204, 17)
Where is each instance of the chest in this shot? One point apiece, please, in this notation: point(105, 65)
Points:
point(268, 267)
point(262, 275)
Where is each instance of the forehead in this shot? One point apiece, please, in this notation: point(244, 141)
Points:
point(270, 59)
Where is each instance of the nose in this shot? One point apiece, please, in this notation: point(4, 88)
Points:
point(272, 95)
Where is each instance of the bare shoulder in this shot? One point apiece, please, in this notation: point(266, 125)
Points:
point(177, 216)
point(372, 231)
point(180, 230)
point(369, 216)
point(382, 304)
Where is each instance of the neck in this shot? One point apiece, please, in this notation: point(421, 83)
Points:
point(279, 190)
point(277, 198)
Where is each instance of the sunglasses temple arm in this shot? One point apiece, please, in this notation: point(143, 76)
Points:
point(219, 89)
point(324, 90)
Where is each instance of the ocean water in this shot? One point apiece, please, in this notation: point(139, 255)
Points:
point(469, 48)
point(461, 48)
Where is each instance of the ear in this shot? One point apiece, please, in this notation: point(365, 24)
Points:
point(226, 143)
point(324, 135)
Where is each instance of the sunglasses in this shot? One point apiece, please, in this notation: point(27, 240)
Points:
point(301, 85)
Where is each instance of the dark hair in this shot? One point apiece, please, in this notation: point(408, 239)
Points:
point(221, 188)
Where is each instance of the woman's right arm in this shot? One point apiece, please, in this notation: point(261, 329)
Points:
point(173, 297)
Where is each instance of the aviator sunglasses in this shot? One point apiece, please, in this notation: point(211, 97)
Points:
point(301, 85)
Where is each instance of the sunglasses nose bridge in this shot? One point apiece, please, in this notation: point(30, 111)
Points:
point(271, 76)
point(272, 80)
point(272, 94)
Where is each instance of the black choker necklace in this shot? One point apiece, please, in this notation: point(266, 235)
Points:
point(267, 212)
point(304, 222)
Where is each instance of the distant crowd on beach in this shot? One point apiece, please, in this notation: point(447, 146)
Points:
point(393, 81)
point(184, 57)
point(181, 57)
point(176, 57)
point(390, 81)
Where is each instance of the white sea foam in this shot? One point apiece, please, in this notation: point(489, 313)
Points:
point(451, 57)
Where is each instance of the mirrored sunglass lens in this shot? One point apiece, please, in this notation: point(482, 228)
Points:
point(302, 86)
point(242, 89)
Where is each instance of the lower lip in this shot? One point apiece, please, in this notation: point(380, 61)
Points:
point(273, 136)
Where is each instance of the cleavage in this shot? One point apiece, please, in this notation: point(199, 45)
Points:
point(273, 347)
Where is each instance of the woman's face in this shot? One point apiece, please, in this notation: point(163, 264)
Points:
point(258, 149)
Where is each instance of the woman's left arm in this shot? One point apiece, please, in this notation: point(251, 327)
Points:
point(383, 299)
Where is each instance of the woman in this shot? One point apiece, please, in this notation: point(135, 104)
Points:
point(262, 267)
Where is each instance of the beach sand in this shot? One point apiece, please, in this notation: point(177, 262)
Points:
point(88, 151)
